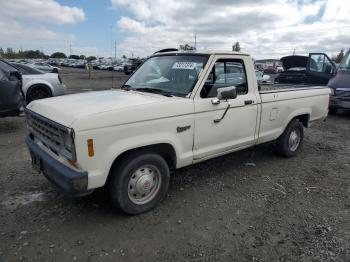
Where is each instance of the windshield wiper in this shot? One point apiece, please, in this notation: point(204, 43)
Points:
point(126, 87)
point(153, 90)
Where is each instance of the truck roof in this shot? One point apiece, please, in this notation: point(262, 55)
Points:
point(204, 52)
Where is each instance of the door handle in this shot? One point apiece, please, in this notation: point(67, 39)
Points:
point(248, 102)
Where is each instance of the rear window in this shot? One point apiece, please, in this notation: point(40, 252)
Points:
point(6, 67)
point(27, 70)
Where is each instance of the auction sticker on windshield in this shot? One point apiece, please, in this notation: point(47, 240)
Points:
point(184, 65)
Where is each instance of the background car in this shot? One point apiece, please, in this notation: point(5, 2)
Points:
point(11, 96)
point(261, 77)
point(317, 68)
point(38, 85)
point(340, 86)
point(44, 67)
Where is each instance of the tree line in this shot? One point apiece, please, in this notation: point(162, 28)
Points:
point(9, 53)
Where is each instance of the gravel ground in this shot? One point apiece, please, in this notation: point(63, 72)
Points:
point(247, 206)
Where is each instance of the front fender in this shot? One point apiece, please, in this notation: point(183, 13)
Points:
point(114, 141)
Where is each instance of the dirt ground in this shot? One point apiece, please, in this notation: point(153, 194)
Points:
point(251, 205)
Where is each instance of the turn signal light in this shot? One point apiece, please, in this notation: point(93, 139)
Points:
point(90, 144)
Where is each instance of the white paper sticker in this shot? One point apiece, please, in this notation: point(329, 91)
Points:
point(184, 65)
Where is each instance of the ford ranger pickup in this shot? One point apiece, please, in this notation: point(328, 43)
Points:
point(177, 109)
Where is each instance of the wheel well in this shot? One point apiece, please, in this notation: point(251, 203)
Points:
point(43, 86)
point(304, 119)
point(165, 150)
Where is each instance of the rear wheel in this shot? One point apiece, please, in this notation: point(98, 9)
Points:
point(139, 182)
point(290, 142)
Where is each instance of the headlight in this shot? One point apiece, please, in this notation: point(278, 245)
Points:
point(332, 92)
point(68, 144)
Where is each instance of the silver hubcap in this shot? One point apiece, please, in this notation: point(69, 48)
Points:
point(144, 184)
point(294, 140)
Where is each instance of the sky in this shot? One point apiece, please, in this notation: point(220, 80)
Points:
point(264, 28)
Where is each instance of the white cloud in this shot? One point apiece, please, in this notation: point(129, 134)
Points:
point(130, 25)
point(24, 24)
point(48, 11)
point(266, 28)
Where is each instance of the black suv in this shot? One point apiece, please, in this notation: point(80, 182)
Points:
point(315, 69)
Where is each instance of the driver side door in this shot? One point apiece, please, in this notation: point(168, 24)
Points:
point(236, 129)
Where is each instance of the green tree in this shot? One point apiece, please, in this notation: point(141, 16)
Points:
point(74, 57)
point(339, 56)
point(82, 57)
point(187, 47)
point(236, 47)
point(90, 58)
point(58, 55)
point(124, 56)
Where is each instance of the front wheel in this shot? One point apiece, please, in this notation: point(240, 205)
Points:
point(290, 142)
point(139, 182)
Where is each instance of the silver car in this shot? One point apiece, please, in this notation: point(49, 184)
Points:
point(45, 67)
point(38, 85)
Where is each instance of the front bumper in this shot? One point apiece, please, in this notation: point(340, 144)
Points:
point(71, 182)
point(337, 102)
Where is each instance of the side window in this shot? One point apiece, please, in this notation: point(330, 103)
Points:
point(225, 72)
point(320, 63)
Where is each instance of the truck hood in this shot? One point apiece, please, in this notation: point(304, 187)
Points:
point(66, 109)
point(294, 61)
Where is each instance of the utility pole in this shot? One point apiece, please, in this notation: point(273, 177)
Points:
point(115, 49)
point(70, 48)
point(195, 41)
point(294, 51)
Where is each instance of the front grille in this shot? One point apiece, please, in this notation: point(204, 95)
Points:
point(49, 133)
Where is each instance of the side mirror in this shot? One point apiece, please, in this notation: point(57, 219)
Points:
point(226, 93)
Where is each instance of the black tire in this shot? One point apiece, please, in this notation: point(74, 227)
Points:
point(120, 183)
point(291, 140)
point(333, 110)
point(38, 92)
point(55, 70)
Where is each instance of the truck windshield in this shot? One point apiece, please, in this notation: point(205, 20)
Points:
point(172, 75)
point(345, 63)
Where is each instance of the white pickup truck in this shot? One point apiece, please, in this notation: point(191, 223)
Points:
point(177, 109)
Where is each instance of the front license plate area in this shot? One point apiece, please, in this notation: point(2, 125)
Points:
point(36, 163)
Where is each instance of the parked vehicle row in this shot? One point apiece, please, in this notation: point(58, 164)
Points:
point(124, 65)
